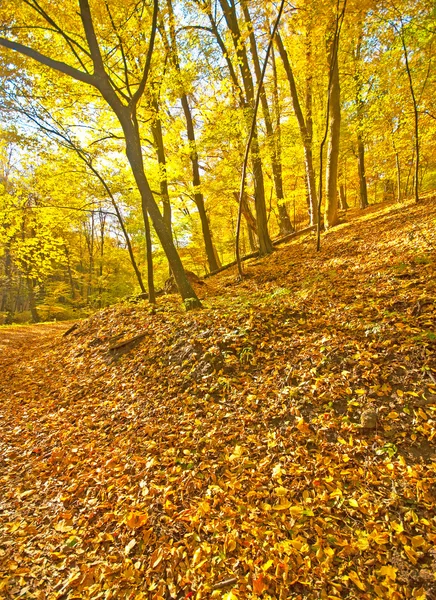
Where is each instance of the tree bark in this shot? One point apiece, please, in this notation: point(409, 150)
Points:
point(415, 114)
point(331, 211)
point(150, 270)
point(156, 130)
point(343, 198)
point(265, 244)
point(397, 164)
point(305, 133)
point(284, 220)
point(211, 255)
point(32, 300)
point(198, 196)
point(362, 175)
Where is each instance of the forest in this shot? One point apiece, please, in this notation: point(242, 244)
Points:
point(125, 126)
point(217, 300)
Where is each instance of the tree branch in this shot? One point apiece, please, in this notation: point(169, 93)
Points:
point(137, 95)
point(49, 62)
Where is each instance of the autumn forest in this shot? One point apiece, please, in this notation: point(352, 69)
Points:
point(217, 299)
point(125, 127)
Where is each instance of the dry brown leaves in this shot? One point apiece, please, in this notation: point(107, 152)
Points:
point(229, 452)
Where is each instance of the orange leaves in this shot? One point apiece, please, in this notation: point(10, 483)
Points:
point(259, 584)
point(135, 520)
point(192, 470)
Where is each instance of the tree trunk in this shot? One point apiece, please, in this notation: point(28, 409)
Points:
point(265, 244)
point(156, 129)
point(306, 136)
point(7, 303)
point(331, 211)
point(343, 198)
point(198, 196)
point(284, 220)
point(32, 301)
point(134, 156)
point(150, 272)
point(362, 175)
point(415, 114)
point(397, 164)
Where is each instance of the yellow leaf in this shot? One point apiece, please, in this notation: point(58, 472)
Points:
point(296, 511)
point(393, 415)
point(135, 520)
point(389, 571)
point(303, 426)
point(129, 547)
point(381, 538)
point(237, 452)
point(360, 391)
point(353, 502)
point(281, 491)
point(397, 527)
point(267, 565)
point(355, 579)
point(418, 541)
point(282, 506)
point(63, 527)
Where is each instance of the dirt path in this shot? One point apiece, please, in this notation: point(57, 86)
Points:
point(19, 342)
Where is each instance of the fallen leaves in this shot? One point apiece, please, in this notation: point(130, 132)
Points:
point(227, 447)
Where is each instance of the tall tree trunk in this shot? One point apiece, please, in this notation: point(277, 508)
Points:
point(362, 175)
point(198, 196)
point(156, 130)
point(343, 204)
point(32, 300)
point(212, 258)
point(397, 164)
point(331, 211)
point(284, 221)
point(150, 270)
point(415, 114)
point(265, 244)
point(7, 303)
point(306, 136)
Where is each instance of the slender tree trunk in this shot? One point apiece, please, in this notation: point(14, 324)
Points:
point(150, 270)
point(415, 114)
point(331, 211)
point(343, 198)
point(265, 244)
point(196, 180)
point(397, 164)
point(362, 175)
point(306, 136)
point(7, 304)
point(284, 221)
point(134, 156)
point(32, 300)
point(156, 129)
point(198, 196)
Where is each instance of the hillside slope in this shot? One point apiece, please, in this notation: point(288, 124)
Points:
point(277, 444)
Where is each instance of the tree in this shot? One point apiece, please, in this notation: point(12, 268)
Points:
point(122, 98)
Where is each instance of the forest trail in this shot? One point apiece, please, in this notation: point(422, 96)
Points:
point(19, 343)
point(278, 443)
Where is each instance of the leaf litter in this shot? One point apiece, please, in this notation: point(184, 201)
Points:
point(277, 444)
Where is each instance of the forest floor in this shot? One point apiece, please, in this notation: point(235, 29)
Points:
point(279, 443)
